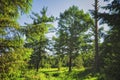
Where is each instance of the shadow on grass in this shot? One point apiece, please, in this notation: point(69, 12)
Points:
point(53, 73)
point(83, 74)
point(76, 75)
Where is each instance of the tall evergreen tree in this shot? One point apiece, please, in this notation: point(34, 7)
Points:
point(12, 52)
point(36, 36)
point(72, 24)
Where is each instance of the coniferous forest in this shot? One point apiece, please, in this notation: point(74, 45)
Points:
point(80, 49)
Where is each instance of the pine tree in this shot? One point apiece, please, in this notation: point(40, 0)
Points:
point(36, 38)
point(12, 52)
point(72, 24)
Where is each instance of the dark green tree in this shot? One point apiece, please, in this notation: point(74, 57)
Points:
point(12, 53)
point(36, 38)
point(72, 24)
point(58, 50)
point(110, 60)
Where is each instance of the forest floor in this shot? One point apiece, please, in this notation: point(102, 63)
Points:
point(63, 74)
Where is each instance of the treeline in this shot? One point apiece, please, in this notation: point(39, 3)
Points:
point(23, 48)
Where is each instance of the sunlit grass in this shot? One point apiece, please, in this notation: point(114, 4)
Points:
point(63, 74)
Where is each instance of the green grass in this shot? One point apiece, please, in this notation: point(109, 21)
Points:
point(54, 74)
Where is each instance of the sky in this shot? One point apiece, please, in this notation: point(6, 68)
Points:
point(55, 7)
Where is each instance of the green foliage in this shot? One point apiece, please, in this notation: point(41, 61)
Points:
point(36, 38)
point(13, 56)
point(88, 59)
point(12, 64)
point(110, 47)
point(78, 62)
point(73, 23)
point(13, 8)
point(72, 45)
point(54, 74)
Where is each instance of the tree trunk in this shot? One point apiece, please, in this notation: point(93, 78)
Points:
point(96, 64)
point(37, 66)
point(70, 63)
point(38, 62)
point(59, 64)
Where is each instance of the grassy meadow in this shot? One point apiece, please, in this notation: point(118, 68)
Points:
point(63, 74)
